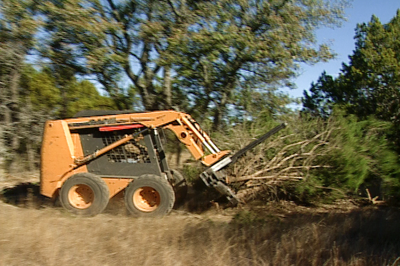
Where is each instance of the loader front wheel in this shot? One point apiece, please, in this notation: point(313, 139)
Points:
point(84, 194)
point(149, 195)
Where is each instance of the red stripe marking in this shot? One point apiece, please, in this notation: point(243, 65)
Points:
point(113, 128)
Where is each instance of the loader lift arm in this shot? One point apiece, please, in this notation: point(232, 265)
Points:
point(183, 125)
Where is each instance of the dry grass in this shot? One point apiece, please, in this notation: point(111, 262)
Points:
point(277, 234)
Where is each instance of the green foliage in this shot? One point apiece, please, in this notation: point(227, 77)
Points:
point(18, 23)
point(260, 106)
point(39, 87)
point(369, 84)
point(361, 155)
point(113, 41)
point(242, 51)
point(367, 87)
point(192, 172)
point(42, 92)
point(83, 95)
point(203, 56)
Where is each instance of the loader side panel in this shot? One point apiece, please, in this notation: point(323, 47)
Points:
point(58, 150)
point(56, 155)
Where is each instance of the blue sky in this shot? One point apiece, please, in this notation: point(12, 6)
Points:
point(342, 39)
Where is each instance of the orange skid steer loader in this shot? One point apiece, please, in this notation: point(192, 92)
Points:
point(89, 159)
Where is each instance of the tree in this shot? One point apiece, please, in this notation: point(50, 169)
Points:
point(113, 40)
point(42, 90)
point(83, 95)
point(247, 48)
point(370, 83)
point(17, 28)
point(369, 86)
point(204, 51)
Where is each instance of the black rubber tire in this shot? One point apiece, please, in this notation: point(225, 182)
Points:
point(164, 191)
point(99, 190)
point(180, 187)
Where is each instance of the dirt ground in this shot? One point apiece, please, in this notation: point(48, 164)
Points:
point(37, 231)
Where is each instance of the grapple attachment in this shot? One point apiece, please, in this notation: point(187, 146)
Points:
point(214, 175)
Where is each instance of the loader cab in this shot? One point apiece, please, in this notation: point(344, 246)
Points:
point(141, 155)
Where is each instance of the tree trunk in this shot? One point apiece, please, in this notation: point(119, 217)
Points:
point(30, 153)
point(14, 114)
point(167, 88)
point(220, 111)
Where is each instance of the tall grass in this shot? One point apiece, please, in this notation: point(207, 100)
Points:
point(50, 236)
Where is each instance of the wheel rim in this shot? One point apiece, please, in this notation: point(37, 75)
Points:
point(81, 196)
point(146, 199)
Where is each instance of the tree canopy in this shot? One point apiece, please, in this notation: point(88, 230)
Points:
point(248, 49)
point(198, 55)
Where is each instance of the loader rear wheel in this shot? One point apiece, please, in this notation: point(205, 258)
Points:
point(149, 195)
point(84, 194)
